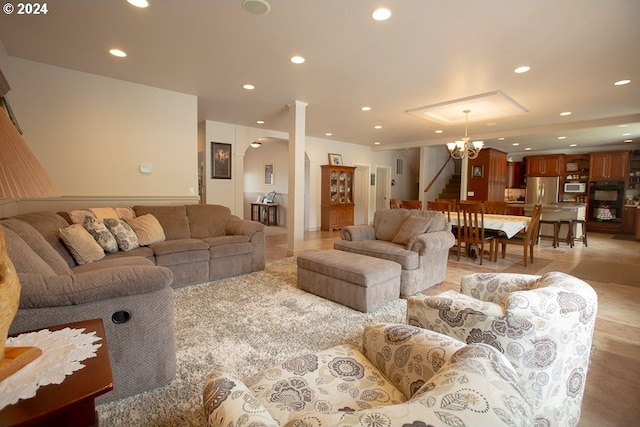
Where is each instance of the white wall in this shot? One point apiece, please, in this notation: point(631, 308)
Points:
point(91, 133)
point(232, 192)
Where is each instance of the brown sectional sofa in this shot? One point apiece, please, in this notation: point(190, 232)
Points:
point(132, 292)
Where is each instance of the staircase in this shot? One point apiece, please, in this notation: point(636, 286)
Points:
point(452, 189)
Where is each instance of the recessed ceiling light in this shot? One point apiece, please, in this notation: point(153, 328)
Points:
point(377, 127)
point(139, 3)
point(376, 143)
point(260, 122)
point(366, 108)
point(622, 82)
point(515, 144)
point(527, 149)
point(501, 138)
point(297, 59)
point(628, 140)
point(328, 134)
point(381, 14)
point(117, 52)
point(248, 86)
point(622, 126)
point(573, 145)
point(562, 137)
point(522, 69)
point(565, 113)
point(438, 130)
point(626, 134)
point(256, 7)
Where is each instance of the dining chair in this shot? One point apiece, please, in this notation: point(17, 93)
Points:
point(471, 229)
point(495, 207)
point(453, 203)
point(443, 207)
point(411, 204)
point(526, 239)
point(394, 204)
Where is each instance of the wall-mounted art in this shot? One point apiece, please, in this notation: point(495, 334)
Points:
point(220, 160)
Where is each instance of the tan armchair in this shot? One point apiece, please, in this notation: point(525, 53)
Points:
point(403, 376)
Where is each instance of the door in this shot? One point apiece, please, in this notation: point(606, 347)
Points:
point(383, 187)
point(361, 197)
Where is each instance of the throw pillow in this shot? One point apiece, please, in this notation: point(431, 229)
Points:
point(77, 216)
point(81, 244)
point(101, 234)
point(102, 213)
point(411, 226)
point(125, 236)
point(147, 228)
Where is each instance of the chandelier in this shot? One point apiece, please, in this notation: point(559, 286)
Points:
point(464, 148)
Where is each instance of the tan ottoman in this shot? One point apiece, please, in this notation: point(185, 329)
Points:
point(357, 281)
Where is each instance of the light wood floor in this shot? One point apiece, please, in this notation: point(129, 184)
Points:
point(612, 394)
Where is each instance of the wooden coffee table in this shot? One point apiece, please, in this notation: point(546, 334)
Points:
point(71, 403)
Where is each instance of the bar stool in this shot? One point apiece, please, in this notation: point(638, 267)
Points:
point(556, 230)
point(569, 237)
point(572, 232)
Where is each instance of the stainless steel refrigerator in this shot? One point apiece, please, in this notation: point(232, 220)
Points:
point(542, 190)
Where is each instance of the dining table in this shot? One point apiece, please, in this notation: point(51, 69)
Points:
point(510, 225)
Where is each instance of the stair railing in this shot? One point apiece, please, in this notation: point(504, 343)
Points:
point(437, 175)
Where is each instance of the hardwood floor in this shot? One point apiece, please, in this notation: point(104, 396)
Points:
point(612, 393)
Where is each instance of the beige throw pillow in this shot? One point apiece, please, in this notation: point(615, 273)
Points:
point(411, 226)
point(81, 244)
point(147, 228)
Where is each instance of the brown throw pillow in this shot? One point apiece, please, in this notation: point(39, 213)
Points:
point(411, 226)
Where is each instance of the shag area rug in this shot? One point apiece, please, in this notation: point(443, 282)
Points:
point(246, 324)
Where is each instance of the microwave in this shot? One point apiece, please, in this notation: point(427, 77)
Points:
point(575, 187)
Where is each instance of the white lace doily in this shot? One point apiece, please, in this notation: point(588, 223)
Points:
point(62, 352)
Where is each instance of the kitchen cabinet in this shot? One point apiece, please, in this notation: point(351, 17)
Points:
point(487, 176)
point(637, 224)
point(609, 166)
point(515, 174)
point(634, 171)
point(629, 220)
point(549, 165)
point(336, 200)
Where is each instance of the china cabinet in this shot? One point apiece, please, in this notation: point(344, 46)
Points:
point(337, 197)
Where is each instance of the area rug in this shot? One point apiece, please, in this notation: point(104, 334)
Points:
point(246, 324)
point(606, 271)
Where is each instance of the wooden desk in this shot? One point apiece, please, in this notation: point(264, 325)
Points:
point(265, 213)
point(508, 224)
point(71, 403)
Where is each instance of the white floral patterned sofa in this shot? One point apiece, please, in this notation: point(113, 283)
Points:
point(542, 324)
point(405, 376)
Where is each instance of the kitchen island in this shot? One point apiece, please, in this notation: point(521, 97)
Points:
point(562, 212)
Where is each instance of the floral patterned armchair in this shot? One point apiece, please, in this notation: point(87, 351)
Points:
point(404, 376)
point(542, 324)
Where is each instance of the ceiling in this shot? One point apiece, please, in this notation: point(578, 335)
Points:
point(429, 52)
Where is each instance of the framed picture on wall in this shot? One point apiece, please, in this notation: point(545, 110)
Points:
point(268, 174)
point(220, 160)
point(335, 159)
point(477, 171)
